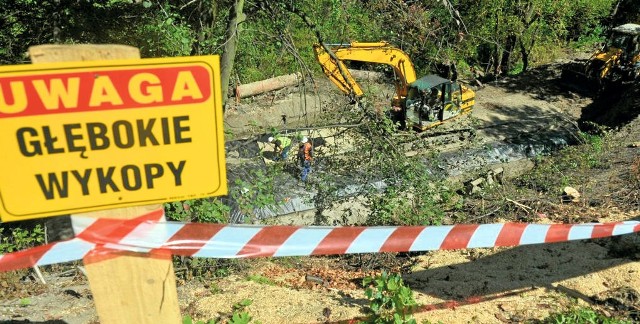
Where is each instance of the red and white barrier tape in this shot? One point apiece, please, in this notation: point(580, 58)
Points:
point(148, 235)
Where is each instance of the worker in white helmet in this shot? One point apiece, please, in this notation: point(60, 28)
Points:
point(281, 147)
point(305, 157)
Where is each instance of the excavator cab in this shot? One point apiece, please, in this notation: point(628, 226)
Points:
point(431, 100)
point(626, 39)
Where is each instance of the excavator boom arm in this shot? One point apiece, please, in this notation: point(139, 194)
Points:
point(381, 53)
point(337, 72)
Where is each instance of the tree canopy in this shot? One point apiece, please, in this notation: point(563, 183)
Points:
point(497, 36)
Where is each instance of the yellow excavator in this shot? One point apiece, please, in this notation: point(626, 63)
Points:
point(617, 61)
point(418, 103)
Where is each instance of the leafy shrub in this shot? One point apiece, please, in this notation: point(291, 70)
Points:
point(580, 316)
point(239, 315)
point(552, 173)
point(18, 238)
point(256, 192)
point(206, 210)
point(390, 300)
point(260, 279)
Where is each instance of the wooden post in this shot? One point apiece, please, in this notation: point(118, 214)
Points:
point(126, 288)
point(132, 288)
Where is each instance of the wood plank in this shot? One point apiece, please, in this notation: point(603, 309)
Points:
point(83, 52)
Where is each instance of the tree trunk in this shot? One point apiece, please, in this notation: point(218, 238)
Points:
point(525, 56)
point(496, 59)
point(497, 53)
point(510, 45)
point(526, 52)
point(236, 17)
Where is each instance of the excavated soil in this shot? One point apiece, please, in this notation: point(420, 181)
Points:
point(508, 285)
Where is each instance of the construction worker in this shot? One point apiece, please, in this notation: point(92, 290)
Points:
point(282, 145)
point(434, 103)
point(305, 157)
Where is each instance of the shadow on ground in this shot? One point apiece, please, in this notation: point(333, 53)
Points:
point(541, 82)
point(522, 267)
point(614, 108)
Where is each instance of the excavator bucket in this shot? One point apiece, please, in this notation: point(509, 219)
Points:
point(578, 77)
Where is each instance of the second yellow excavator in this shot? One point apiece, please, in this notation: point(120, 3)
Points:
point(418, 103)
point(617, 62)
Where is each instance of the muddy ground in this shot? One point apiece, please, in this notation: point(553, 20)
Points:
point(499, 285)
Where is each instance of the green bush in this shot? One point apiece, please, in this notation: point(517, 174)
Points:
point(552, 173)
point(390, 301)
point(239, 315)
point(206, 210)
point(580, 316)
point(17, 238)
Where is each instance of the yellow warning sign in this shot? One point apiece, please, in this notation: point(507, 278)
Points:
point(85, 136)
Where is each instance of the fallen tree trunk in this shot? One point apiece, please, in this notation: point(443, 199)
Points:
point(367, 75)
point(263, 86)
point(258, 87)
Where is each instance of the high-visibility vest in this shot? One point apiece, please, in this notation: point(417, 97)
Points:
point(284, 141)
point(307, 151)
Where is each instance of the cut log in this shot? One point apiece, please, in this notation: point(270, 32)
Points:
point(367, 75)
point(259, 87)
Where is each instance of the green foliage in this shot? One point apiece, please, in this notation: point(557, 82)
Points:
point(18, 238)
point(585, 18)
point(390, 301)
point(238, 316)
point(414, 199)
point(158, 28)
point(388, 207)
point(516, 69)
point(590, 39)
point(582, 315)
point(257, 191)
point(206, 210)
point(260, 279)
point(593, 154)
point(286, 42)
point(592, 140)
point(276, 41)
point(25, 302)
point(511, 30)
point(552, 174)
point(396, 189)
point(165, 33)
point(413, 196)
point(188, 320)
